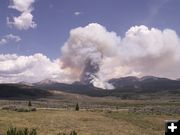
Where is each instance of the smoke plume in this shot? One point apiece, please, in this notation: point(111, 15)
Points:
point(95, 55)
point(85, 50)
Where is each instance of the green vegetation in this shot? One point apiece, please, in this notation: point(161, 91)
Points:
point(71, 133)
point(26, 131)
point(23, 131)
point(19, 108)
point(21, 91)
point(77, 107)
point(156, 110)
point(29, 104)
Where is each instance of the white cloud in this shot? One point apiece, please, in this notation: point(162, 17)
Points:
point(10, 37)
point(92, 51)
point(32, 68)
point(152, 51)
point(77, 13)
point(22, 5)
point(13, 37)
point(3, 41)
point(25, 20)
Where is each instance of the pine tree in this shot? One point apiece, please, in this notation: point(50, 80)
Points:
point(77, 107)
point(29, 103)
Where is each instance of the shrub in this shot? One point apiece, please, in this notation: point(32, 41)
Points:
point(24, 131)
point(11, 131)
point(71, 133)
point(77, 107)
point(157, 110)
point(19, 108)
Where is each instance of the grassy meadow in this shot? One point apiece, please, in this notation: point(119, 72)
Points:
point(97, 116)
point(92, 122)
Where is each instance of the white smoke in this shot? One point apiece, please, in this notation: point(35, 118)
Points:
point(96, 55)
point(86, 48)
point(93, 55)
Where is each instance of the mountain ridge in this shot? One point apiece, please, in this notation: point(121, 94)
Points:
point(124, 87)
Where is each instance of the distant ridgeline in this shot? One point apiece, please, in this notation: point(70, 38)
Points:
point(126, 88)
point(21, 91)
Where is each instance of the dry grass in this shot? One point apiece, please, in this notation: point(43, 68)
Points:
point(96, 121)
point(50, 122)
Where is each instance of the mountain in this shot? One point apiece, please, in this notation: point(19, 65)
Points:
point(25, 83)
point(147, 87)
point(76, 87)
point(150, 83)
point(21, 91)
point(45, 82)
point(126, 88)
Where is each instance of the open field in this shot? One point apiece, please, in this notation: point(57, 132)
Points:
point(50, 122)
point(68, 100)
point(97, 115)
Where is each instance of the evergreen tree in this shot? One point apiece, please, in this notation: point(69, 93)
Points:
point(29, 103)
point(77, 107)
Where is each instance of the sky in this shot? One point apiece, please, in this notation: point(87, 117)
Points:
point(41, 28)
point(55, 18)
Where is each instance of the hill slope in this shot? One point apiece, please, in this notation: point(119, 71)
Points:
point(21, 91)
point(125, 88)
point(146, 83)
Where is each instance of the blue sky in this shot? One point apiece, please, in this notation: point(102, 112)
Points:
point(55, 18)
point(59, 39)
